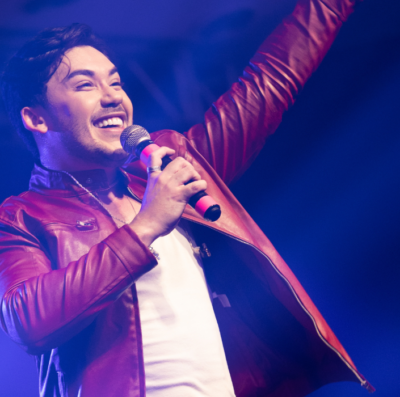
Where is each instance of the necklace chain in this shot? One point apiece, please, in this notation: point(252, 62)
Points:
point(99, 201)
point(151, 249)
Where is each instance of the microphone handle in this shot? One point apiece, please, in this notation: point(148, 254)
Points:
point(196, 197)
point(212, 213)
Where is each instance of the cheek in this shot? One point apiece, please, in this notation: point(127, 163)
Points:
point(76, 113)
point(128, 107)
point(65, 111)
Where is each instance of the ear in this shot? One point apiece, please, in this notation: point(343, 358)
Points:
point(34, 120)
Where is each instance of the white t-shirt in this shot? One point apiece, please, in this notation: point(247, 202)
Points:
point(183, 352)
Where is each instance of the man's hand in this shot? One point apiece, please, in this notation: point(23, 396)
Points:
point(166, 196)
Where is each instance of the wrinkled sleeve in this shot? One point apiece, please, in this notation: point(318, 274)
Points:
point(238, 123)
point(42, 308)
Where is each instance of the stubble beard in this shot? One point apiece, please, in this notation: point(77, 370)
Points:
point(93, 152)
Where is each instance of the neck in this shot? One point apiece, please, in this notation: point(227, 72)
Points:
point(112, 175)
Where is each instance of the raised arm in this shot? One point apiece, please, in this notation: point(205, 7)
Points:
point(237, 125)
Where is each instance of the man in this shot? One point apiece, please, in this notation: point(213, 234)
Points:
point(107, 276)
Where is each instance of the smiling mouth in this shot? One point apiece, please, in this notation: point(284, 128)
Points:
point(109, 123)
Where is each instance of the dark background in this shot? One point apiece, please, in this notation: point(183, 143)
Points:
point(326, 187)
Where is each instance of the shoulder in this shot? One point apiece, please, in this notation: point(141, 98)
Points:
point(179, 142)
point(168, 138)
point(14, 203)
point(12, 207)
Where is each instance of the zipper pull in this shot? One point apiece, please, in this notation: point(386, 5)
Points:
point(222, 298)
point(203, 251)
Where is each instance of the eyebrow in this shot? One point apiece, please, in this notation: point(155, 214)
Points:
point(90, 73)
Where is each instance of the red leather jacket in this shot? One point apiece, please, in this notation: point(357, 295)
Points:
point(67, 274)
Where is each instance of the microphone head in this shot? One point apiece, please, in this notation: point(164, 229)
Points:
point(131, 136)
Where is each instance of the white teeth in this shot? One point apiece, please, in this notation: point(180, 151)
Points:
point(111, 121)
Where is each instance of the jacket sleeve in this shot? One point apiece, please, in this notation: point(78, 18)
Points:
point(42, 308)
point(238, 123)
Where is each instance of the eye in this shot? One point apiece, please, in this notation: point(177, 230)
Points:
point(117, 84)
point(85, 84)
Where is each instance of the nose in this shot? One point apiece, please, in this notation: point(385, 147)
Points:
point(110, 97)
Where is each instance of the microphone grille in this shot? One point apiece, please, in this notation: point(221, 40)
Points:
point(131, 136)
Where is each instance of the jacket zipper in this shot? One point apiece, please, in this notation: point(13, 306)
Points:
point(364, 383)
point(134, 195)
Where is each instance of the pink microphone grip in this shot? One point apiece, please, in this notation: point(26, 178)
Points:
point(204, 204)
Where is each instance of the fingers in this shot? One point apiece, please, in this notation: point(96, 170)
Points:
point(179, 170)
point(179, 173)
point(166, 195)
point(182, 171)
point(155, 158)
point(192, 188)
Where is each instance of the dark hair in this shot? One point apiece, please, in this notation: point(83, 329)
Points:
point(25, 77)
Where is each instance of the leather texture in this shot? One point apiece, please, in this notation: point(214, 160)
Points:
point(67, 272)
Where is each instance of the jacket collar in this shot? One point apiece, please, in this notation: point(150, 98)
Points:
point(57, 183)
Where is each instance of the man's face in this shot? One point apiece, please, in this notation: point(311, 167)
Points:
point(87, 109)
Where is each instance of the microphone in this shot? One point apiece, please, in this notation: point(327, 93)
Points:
point(136, 140)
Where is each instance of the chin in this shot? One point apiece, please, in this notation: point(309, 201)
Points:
point(104, 156)
point(117, 156)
